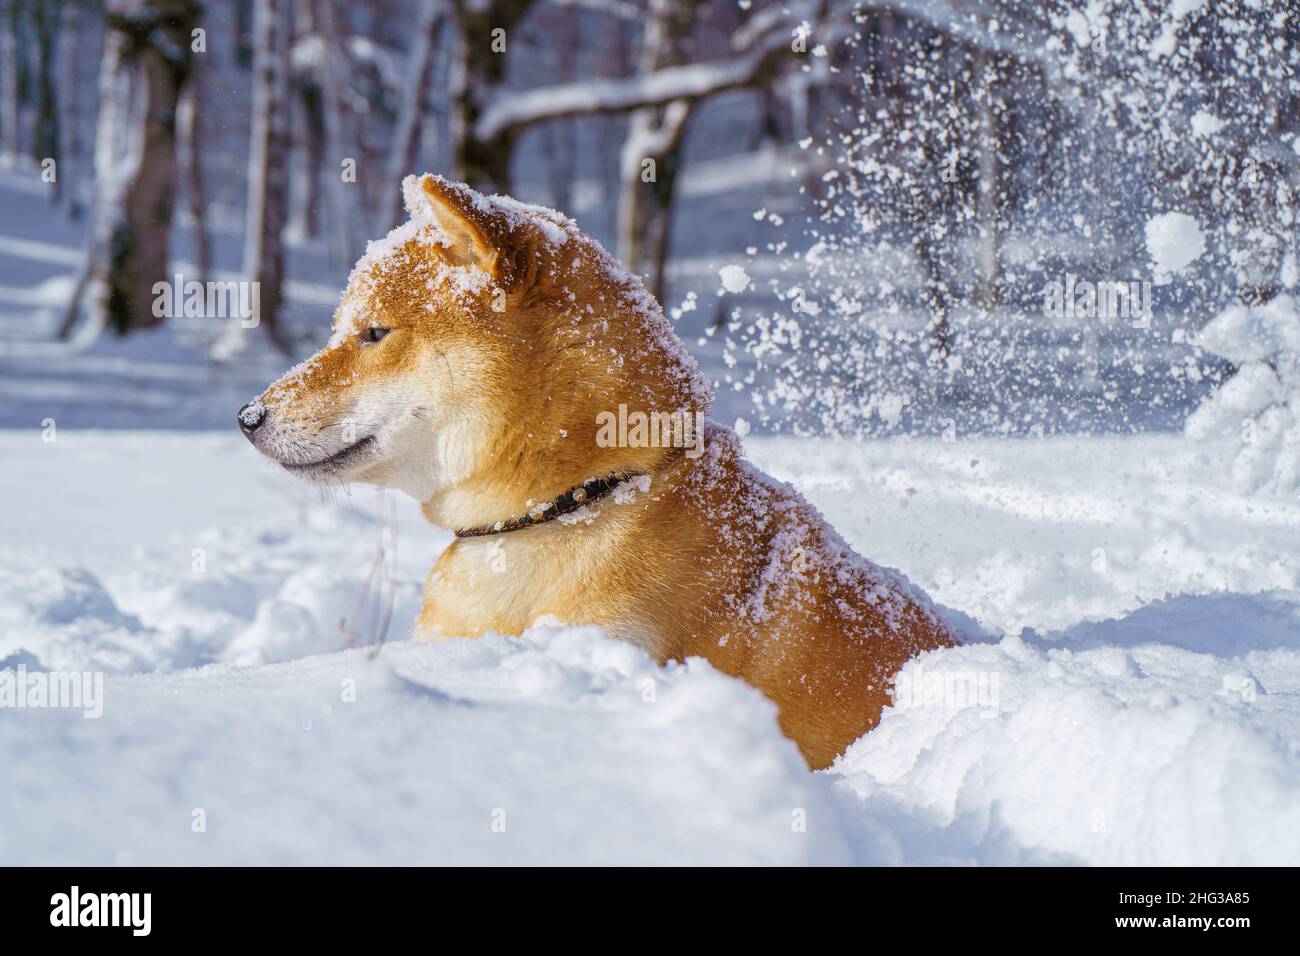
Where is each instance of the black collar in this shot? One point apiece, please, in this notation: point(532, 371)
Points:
point(571, 500)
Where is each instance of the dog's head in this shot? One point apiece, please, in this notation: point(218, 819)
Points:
point(473, 352)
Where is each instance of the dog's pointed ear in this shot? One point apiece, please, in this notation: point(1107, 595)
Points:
point(477, 233)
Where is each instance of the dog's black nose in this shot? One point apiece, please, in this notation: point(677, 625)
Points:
point(250, 417)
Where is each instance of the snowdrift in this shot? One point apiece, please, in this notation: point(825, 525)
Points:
point(1090, 719)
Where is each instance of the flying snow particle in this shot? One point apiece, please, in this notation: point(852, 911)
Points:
point(1077, 23)
point(1174, 240)
point(1205, 123)
point(734, 279)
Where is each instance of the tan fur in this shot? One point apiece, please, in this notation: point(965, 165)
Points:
point(483, 403)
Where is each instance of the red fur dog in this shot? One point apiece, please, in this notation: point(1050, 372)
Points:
point(495, 363)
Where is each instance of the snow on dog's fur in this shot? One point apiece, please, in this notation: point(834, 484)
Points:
point(476, 351)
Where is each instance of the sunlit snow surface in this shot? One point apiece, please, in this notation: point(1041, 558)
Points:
point(1135, 638)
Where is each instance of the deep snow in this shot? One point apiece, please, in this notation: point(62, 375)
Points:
point(1114, 723)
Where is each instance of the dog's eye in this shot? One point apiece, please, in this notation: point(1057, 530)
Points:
point(373, 334)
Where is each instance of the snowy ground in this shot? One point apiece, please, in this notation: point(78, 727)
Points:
point(1134, 662)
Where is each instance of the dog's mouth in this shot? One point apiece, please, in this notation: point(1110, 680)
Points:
point(339, 461)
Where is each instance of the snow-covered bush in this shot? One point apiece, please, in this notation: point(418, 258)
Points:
point(1253, 420)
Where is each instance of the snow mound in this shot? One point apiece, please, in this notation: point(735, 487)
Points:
point(564, 746)
point(561, 746)
point(1253, 420)
point(67, 615)
point(1254, 333)
point(1115, 755)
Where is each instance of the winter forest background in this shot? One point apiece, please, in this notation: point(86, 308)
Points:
point(899, 181)
point(1006, 288)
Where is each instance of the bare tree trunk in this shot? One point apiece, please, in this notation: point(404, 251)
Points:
point(110, 181)
point(268, 153)
point(457, 96)
point(558, 136)
point(190, 132)
point(9, 112)
point(558, 145)
point(615, 125)
point(242, 22)
point(483, 164)
point(141, 244)
point(69, 114)
point(651, 152)
point(307, 161)
point(343, 209)
point(146, 46)
point(409, 111)
point(308, 135)
point(935, 291)
point(45, 143)
point(435, 149)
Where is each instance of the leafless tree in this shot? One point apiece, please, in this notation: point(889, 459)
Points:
point(46, 18)
point(69, 111)
point(146, 61)
point(307, 149)
point(493, 117)
point(343, 204)
point(267, 209)
point(411, 111)
point(189, 130)
point(10, 117)
point(651, 151)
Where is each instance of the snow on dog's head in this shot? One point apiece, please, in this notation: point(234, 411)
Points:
point(472, 352)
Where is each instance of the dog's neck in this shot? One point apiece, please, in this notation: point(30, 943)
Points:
point(581, 496)
point(510, 510)
point(527, 464)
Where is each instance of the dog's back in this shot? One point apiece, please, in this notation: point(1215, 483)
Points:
point(792, 609)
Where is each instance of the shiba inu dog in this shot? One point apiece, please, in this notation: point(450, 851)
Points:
point(490, 360)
